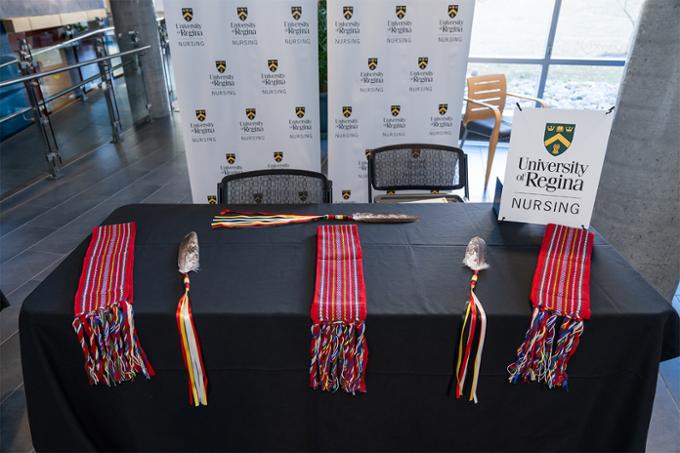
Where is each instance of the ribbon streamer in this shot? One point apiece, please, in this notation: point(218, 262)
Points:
point(474, 314)
point(191, 349)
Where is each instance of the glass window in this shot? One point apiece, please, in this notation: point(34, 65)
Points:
point(517, 28)
point(582, 87)
point(595, 29)
point(521, 78)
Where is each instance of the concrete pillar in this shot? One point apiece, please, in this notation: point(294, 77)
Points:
point(140, 16)
point(638, 203)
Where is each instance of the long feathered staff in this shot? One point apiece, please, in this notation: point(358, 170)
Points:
point(475, 259)
point(187, 261)
point(233, 219)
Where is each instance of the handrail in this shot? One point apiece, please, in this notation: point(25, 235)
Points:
point(62, 44)
point(68, 68)
point(72, 40)
point(59, 94)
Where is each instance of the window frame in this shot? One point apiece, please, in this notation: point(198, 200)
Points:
point(547, 59)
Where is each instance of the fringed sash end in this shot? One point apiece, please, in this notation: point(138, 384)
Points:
point(110, 345)
point(338, 357)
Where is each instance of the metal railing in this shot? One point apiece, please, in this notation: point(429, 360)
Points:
point(38, 103)
point(61, 45)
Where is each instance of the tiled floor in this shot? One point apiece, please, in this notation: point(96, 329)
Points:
point(39, 227)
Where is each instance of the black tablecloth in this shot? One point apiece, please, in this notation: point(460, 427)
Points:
point(251, 303)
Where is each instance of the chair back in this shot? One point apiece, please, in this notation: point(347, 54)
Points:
point(490, 89)
point(275, 187)
point(416, 166)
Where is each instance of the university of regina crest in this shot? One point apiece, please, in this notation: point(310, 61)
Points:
point(372, 63)
point(558, 137)
point(273, 65)
point(346, 194)
point(300, 111)
point(200, 115)
point(221, 66)
point(347, 12)
point(395, 109)
point(242, 13)
point(346, 111)
point(296, 12)
point(453, 11)
point(250, 113)
point(400, 11)
point(278, 156)
point(188, 14)
point(443, 108)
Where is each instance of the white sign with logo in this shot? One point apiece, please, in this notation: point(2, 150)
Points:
point(247, 85)
point(553, 166)
point(396, 74)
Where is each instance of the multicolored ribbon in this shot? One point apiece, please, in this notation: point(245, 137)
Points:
point(191, 349)
point(475, 318)
point(104, 318)
point(561, 289)
point(338, 352)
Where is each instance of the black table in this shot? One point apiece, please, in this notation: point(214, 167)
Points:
point(251, 304)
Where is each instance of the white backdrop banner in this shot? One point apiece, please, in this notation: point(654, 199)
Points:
point(396, 74)
point(247, 85)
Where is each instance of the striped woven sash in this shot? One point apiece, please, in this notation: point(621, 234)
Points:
point(560, 295)
point(104, 318)
point(338, 352)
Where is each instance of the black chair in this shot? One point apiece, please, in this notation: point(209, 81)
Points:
point(275, 187)
point(416, 167)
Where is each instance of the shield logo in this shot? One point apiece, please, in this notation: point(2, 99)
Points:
point(453, 11)
point(443, 108)
point(250, 113)
point(558, 137)
point(231, 158)
point(242, 12)
point(200, 115)
point(346, 111)
point(347, 11)
point(434, 191)
point(188, 14)
point(346, 194)
point(221, 65)
point(303, 195)
point(278, 156)
point(422, 62)
point(212, 199)
point(273, 65)
point(395, 109)
point(368, 153)
point(296, 12)
point(400, 11)
point(372, 63)
point(415, 153)
point(300, 111)
point(257, 197)
point(390, 192)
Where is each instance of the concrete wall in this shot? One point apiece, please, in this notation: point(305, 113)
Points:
point(140, 16)
point(638, 203)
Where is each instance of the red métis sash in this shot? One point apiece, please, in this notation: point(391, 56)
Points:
point(338, 352)
point(561, 289)
point(104, 319)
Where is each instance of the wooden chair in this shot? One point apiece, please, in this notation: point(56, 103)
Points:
point(486, 98)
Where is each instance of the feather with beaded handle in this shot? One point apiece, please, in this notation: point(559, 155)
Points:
point(188, 261)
